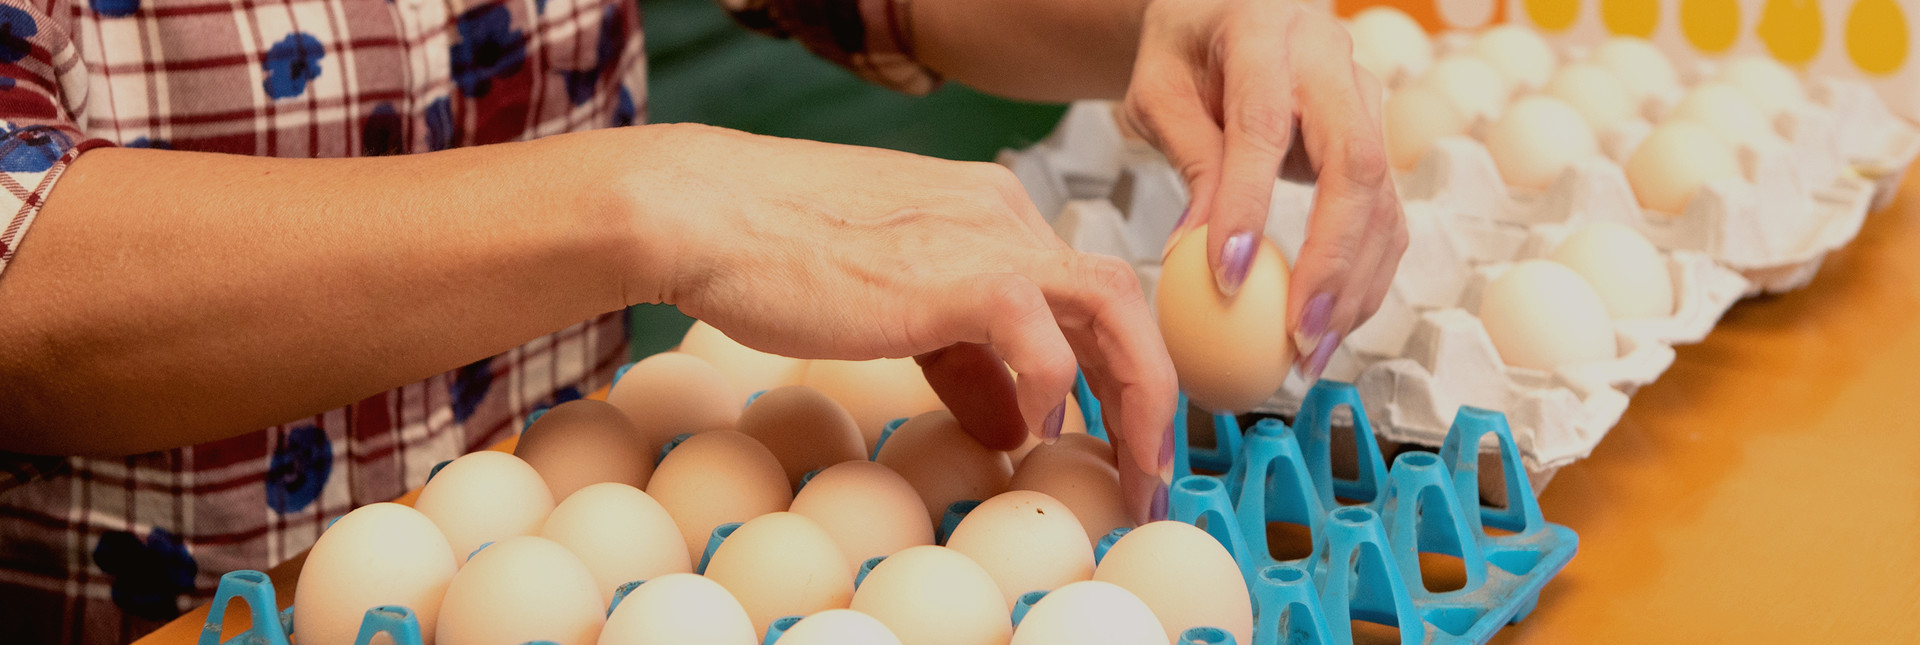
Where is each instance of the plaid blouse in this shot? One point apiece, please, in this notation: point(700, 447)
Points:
point(104, 550)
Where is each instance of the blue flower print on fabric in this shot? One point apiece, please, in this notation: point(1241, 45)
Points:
point(626, 112)
point(440, 124)
point(540, 7)
point(16, 26)
point(613, 36)
point(148, 577)
point(470, 386)
point(299, 469)
point(490, 47)
point(34, 148)
point(292, 63)
point(381, 136)
point(6, 82)
point(568, 393)
point(143, 142)
point(115, 8)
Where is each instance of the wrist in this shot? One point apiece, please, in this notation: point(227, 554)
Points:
point(632, 202)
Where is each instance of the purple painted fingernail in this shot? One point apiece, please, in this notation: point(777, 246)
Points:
point(1313, 322)
point(1166, 456)
point(1184, 212)
point(1236, 258)
point(1158, 510)
point(1050, 430)
point(1317, 363)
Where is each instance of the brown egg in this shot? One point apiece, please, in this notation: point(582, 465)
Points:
point(869, 509)
point(714, 478)
point(805, 430)
point(748, 369)
point(585, 442)
point(1081, 477)
point(782, 564)
point(944, 463)
point(874, 392)
point(1231, 353)
point(672, 393)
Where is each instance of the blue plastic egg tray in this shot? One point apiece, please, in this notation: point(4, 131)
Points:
point(1367, 533)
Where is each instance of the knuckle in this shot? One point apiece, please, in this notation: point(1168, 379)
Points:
point(1264, 124)
point(1365, 163)
point(1013, 297)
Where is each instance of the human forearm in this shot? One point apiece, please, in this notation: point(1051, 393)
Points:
point(167, 298)
point(1039, 50)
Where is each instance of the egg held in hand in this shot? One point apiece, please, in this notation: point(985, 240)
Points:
point(1231, 353)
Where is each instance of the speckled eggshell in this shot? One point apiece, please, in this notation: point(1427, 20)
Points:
point(944, 463)
point(1472, 84)
point(1387, 41)
point(874, 392)
point(1073, 423)
point(1027, 541)
point(1628, 273)
point(522, 589)
point(782, 564)
point(1081, 477)
point(867, 508)
point(484, 497)
point(1184, 576)
point(584, 442)
point(1231, 353)
point(679, 609)
point(378, 554)
point(714, 478)
point(1641, 68)
point(1519, 53)
point(1541, 315)
point(620, 533)
point(749, 370)
point(1537, 139)
point(805, 430)
point(672, 393)
point(1416, 116)
point(932, 595)
point(1675, 161)
point(839, 627)
point(1594, 91)
point(1091, 613)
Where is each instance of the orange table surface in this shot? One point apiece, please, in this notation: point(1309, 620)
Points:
point(1766, 489)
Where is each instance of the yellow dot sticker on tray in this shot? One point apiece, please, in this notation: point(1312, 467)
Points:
point(1791, 30)
point(1553, 15)
point(1630, 17)
point(1711, 25)
point(1877, 36)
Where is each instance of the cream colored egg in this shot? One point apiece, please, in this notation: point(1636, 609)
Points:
point(1537, 139)
point(931, 595)
point(1628, 273)
point(749, 370)
point(1471, 84)
point(379, 554)
point(839, 627)
point(1518, 53)
point(679, 609)
point(1771, 87)
point(805, 430)
point(944, 463)
point(714, 478)
point(1091, 613)
point(1726, 111)
point(1231, 353)
point(782, 564)
point(1027, 541)
point(874, 392)
point(1595, 92)
point(484, 497)
point(1073, 422)
point(1417, 116)
point(672, 393)
point(867, 508)
point(1674, 161)
point(1387, 41)
point(584, 442)
point(1082, 478)
point(518, 590)
point(620, 533)
point(1184, 576)
point(1641, 68)
point(1541, 315)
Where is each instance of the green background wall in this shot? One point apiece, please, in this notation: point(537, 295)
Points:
point(706, 69)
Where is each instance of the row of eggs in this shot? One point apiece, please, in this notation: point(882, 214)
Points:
point(1562, 109)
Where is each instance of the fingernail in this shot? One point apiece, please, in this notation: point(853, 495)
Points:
point(1184, 212)
point(1313, 323)
point(1317, 363)
point(1166, 456)
point(1050, 430)
point(1236, 258)
point(1158, 510)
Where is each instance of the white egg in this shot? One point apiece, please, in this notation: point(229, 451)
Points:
point(1518, 52)
point(839, 627)
point(1541, 315)
point(1595, 92)
point(1771, 87)
point(679, 609)
point(1027, 541)
point(1675, 161)
point(1090, 613)
point(518, 590)
point(484, 497)
point(1726, 111)
point(672, 393)
point(1387, 41)
point(379, 554)
point(1628, 273)
point(1474, 87)
point(1642, 69)
point(1539, 138)
point(620, 533)
point(1416, 117)
point(749, 370)
point(1184, 576)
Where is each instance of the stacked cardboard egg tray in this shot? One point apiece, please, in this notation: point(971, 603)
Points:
point(1425, 354)
point(1368, 531)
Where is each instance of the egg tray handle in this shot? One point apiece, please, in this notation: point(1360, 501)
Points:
point(271, 627)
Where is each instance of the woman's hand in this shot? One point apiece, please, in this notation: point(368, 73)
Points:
point(818, 250)
point(1237, 92)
